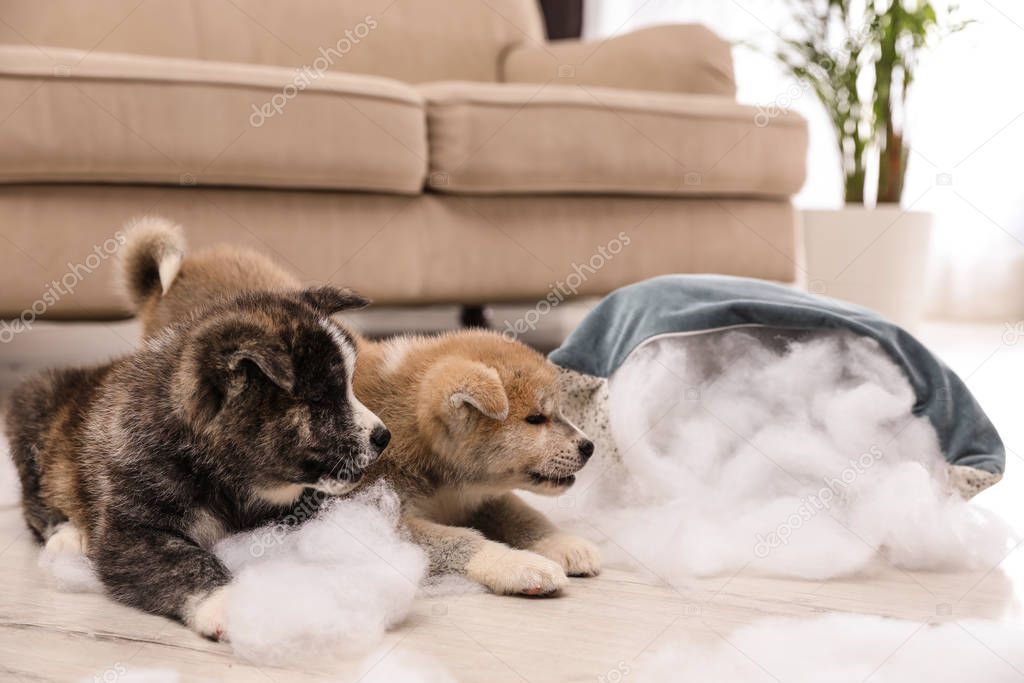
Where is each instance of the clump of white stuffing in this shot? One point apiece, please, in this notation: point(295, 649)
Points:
point(840, 648)
point(329, 586)
point(396, 665)
point(748, 449)
point(122, 673)
point(71, 572)
point(323, 587)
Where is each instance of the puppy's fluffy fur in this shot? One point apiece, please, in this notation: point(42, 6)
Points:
point(474, 416)
point(215, 426)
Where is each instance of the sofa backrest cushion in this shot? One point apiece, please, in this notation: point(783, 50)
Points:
point(410, 40)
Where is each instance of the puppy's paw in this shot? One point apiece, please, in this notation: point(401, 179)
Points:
point(577, 556)
point(508, 572)
point(66, 539)
point(208, 615)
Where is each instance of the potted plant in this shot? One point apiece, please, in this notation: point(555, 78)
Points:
point(859, 58)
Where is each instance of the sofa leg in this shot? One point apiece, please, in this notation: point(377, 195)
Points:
point(474, 316)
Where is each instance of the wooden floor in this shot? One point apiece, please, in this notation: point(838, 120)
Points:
point(595, 628)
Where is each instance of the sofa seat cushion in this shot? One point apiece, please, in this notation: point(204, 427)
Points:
point(73, 116)
point(519, 138)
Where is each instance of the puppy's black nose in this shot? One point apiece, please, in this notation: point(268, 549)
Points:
point(586, 449)
point(380, 437)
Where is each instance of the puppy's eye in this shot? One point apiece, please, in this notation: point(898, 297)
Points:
point(536, 419)
point(316, 399)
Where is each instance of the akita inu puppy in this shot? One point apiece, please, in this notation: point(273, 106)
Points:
point(215, 426)
point(473, 416)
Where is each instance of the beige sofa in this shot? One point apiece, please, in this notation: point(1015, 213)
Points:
point(419, 151)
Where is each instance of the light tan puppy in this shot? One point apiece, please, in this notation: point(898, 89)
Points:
point(473, 416)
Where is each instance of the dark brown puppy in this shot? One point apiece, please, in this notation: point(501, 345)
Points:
point(215, 426)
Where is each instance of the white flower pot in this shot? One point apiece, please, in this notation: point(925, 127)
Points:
point(877, 258)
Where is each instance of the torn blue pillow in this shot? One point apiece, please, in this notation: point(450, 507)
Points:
point(674, 304)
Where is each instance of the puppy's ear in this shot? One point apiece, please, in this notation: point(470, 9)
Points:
point(269, 358)
point(329, 300)
point(453, 386)
point(218, 361)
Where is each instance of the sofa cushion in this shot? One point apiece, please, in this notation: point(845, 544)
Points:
point(409, 40)
point(70, 115)
point(677, 58)
point(515, 138)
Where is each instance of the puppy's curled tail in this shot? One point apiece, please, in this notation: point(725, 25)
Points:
point(150, 258)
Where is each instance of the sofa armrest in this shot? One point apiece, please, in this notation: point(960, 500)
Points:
point(681, 58)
